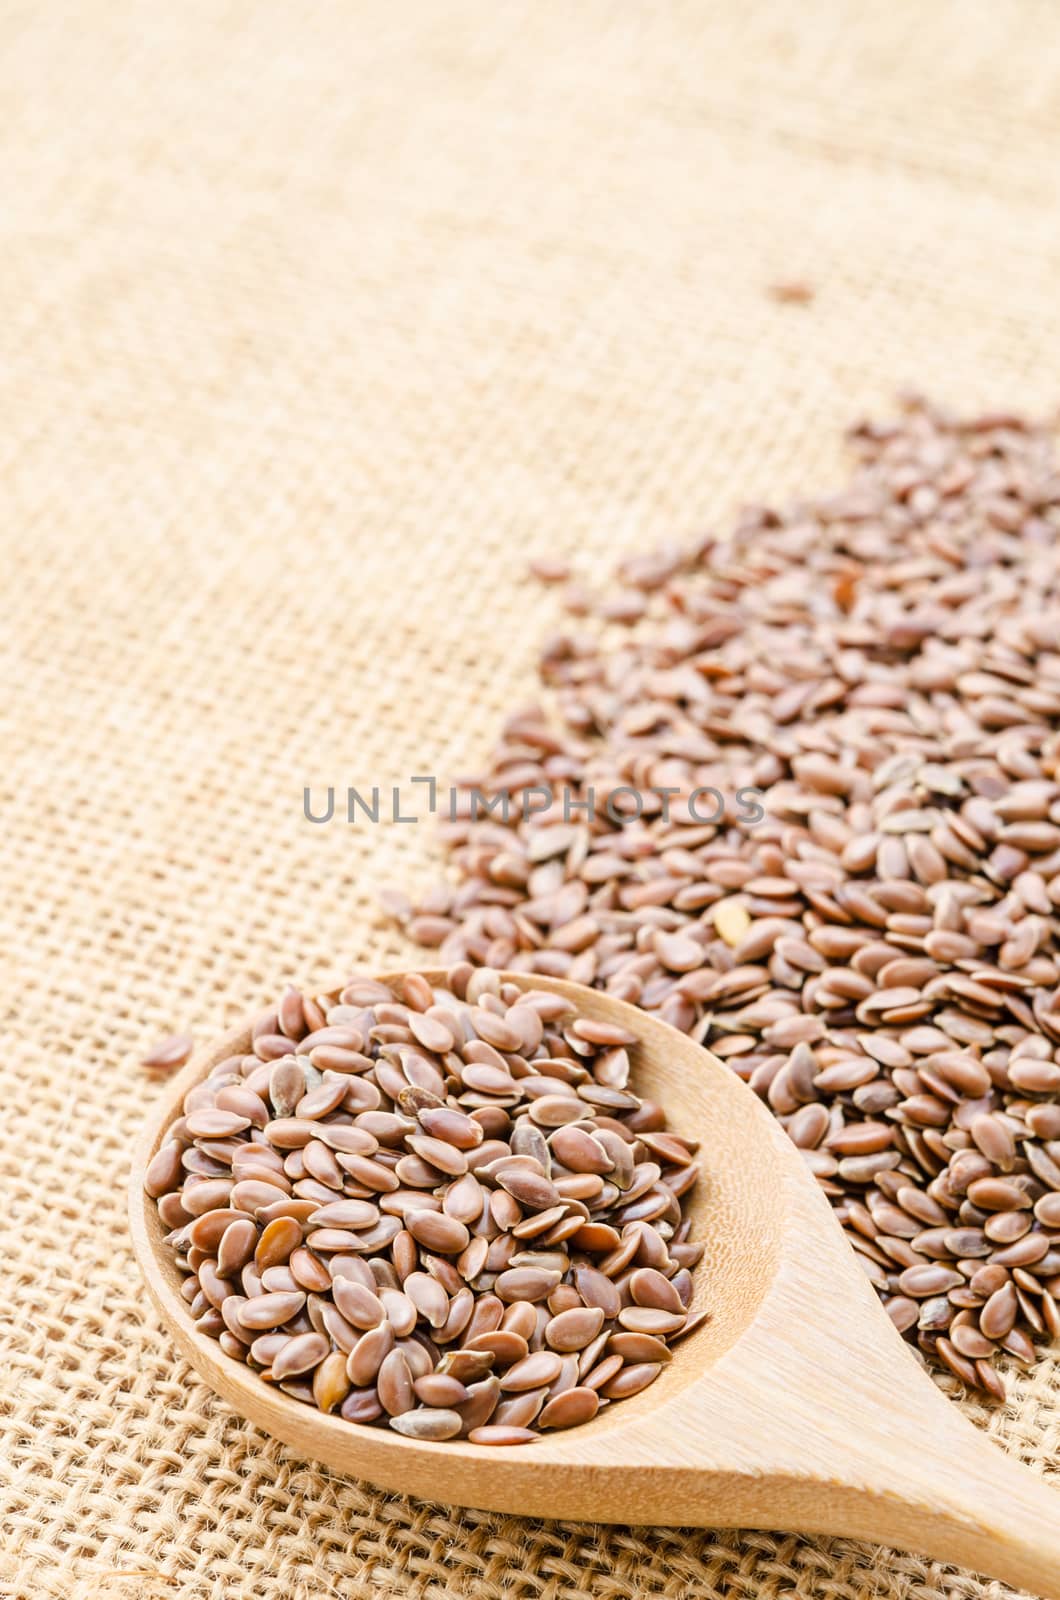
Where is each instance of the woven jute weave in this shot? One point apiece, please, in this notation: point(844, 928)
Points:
point(317, 321)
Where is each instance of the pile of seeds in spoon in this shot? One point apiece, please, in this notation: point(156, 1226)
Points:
point(441, 1210)
point(879, 956)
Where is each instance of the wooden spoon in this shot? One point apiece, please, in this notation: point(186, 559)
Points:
point(796, 1405)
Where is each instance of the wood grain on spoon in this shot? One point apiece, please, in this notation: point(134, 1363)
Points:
point(796, 1405)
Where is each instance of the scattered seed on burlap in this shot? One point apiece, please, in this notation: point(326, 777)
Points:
point(409, 1240)
point(879, 956)
point(169, 1053)
point(792, 292)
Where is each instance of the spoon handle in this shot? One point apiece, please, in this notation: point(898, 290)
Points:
point(845, 1434)
point(986, 1512)
point(1007, 1528)
point(894, 1460)
point(1020, 1537)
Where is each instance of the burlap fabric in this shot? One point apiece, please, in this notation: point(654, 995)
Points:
point(317, 321)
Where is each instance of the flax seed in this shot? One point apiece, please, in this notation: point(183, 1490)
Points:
point(911, 835)
point(169, 1053)
point(414, 1214)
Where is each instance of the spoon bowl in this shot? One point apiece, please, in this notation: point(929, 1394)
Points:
point(795, 1405)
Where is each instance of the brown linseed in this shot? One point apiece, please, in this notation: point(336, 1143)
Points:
point(444, 1241)
point(881, 949)
point(169, 1053)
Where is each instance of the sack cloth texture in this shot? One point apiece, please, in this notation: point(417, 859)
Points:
point(318, 322)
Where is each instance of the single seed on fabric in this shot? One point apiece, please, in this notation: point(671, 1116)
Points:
point(169, 1053)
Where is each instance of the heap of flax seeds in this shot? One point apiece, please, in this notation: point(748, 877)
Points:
point(877, 954)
